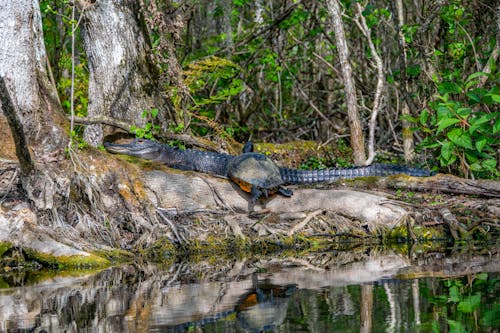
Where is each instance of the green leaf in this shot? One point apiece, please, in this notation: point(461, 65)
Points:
point(446, 122)
point(496, 126)
point(413, 70)
point(491, 98)
point(454, 294)
point(480, 144)
point(476, 74)
point(443, 112)
point(469, 303)
point(477, 122)
point(491, 317)
point(460, 138)
point(482, 277)
point(447, 151)
point(476, 166)
point(490, 164)
point(472, 156)
point(476, 95)
point(424, 116)
point(435, 326)
point(449, 87)
point(464, 112)
point(456, 326)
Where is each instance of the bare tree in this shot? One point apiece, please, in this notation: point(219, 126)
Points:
point(407, 133)
point(357, 139)
point(377, 99)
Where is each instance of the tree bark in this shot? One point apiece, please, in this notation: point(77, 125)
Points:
point(377, 99)
point(22, 64)
point(357, 139)
point(444, 183)
point(122, 77)
point(409, 152)
point(22, 149)
point(34, 99)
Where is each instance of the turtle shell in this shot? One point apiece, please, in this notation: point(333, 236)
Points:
point(254, 169)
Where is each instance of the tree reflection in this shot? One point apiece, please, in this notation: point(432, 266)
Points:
point(377, 291)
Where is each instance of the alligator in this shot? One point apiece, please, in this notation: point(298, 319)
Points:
point(253, 172)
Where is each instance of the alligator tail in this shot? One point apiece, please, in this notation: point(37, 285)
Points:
point(294, 176)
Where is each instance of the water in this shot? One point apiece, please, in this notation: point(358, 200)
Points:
point(364, 290)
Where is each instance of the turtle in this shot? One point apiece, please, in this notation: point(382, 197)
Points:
point(256, 174)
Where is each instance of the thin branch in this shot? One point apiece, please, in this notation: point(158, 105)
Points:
point(72, 91)
point(311, 103)
point(284, 15)
point(408, 106)
point(104, 120)
point(361, 23)
point(303, 223)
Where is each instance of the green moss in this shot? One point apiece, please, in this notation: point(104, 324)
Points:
point(4, 247)
point(115, 255)
point(162, 251)
point(422, 234)
point(3, 284)
point(49, 260)
point(214, 249)
point(362, 181)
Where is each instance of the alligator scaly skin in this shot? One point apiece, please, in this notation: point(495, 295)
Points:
point(189, 159)
point(217, 164)
point(294, 176)
point(196, 160)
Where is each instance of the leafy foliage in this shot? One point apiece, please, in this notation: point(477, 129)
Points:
point(57, 29)
point(464, 135)
point(211, 81)
point(269, 70)
point(150, 129)
point(461, 303)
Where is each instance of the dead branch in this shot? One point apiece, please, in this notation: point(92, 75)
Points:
point(443, 183)
point(104, 120)
point(361, 22)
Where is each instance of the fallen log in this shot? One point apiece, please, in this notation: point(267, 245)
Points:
point(194, 192)
point(443, 183)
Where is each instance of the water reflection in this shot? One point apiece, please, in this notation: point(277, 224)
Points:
point(374, 291)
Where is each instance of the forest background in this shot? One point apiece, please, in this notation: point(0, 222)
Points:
point(424, 74)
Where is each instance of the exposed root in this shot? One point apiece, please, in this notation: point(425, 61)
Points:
point(457, 230)
point(164, 217)
point(301, 225)
point(217, 197)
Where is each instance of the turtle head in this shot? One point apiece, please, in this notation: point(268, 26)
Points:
point(142, 148)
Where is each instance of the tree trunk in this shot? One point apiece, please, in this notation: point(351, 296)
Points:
point(405, 110)
point(22, 64)
point(33, 108)
point(357, 139)
point(122, 77)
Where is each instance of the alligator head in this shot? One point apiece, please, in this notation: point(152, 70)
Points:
point(142, 148)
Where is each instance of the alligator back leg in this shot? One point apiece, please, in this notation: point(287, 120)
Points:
point(285, 191)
